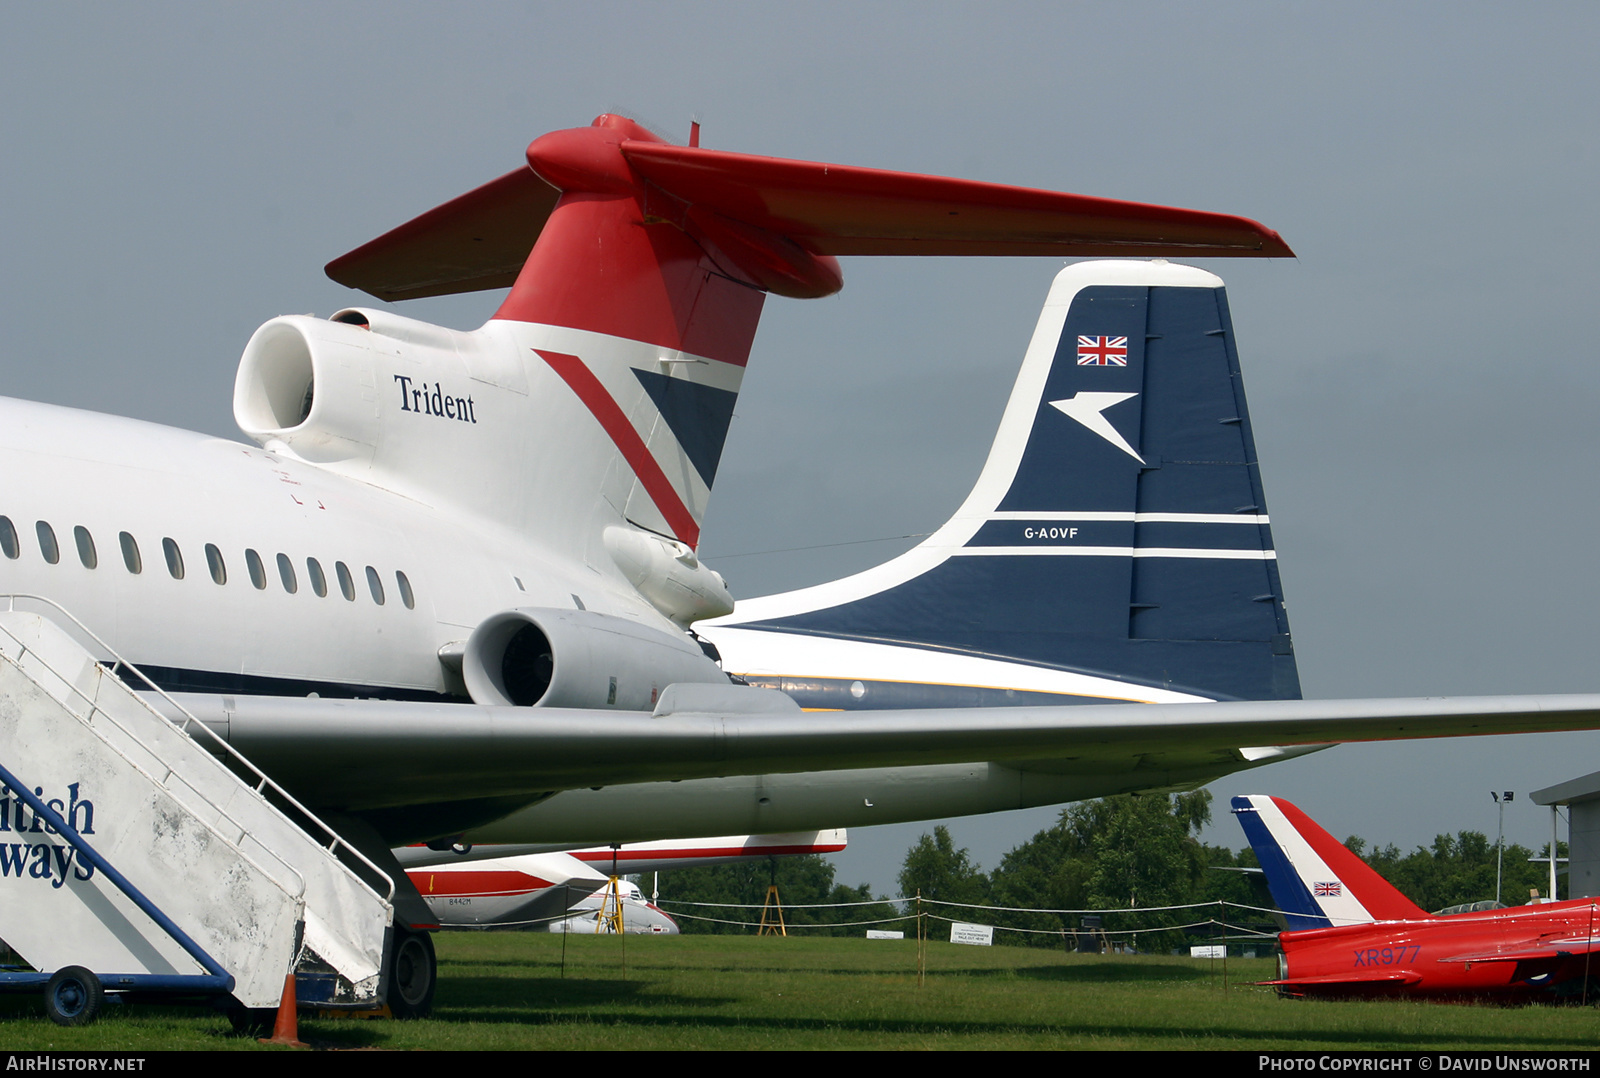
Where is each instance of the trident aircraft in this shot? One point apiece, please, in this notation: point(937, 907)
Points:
point(1352, 934)
point(456, 573)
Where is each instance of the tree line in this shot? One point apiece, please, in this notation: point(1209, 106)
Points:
point(1116, 853)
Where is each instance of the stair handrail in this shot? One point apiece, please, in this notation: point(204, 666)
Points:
point(264, 782)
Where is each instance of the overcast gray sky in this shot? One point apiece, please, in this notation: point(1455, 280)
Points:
point(1423, 380)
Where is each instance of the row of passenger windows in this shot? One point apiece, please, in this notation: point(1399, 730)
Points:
point(254, 566)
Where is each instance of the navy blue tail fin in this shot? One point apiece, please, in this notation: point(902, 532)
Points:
point(1118, 529)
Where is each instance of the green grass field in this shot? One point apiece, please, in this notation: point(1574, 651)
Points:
point(508, 991)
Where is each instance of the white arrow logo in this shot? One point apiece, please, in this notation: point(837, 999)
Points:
point(1088, 409)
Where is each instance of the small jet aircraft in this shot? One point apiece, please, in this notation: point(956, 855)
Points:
point(550, 892)
point(1352, 934)
point(452, 594)
point(492, 886)
point(525, 891)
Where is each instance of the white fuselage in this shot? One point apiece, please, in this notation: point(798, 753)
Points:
point(110, 475)
point(70, 469)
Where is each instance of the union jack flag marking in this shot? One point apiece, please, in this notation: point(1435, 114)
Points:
point(1102, 351)
point(1328, 889)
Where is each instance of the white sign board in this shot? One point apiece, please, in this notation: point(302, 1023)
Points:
point(884, 934)
point(976, 935)
point(1218, 950)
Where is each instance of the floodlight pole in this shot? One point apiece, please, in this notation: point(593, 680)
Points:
point(1500, 840)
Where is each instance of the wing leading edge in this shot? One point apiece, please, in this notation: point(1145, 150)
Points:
point(361, 754)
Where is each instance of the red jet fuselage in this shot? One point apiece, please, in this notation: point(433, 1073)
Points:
point(1517, 954)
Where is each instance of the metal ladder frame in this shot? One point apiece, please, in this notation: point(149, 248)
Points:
point(216, 979)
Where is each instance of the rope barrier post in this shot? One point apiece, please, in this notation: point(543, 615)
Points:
point(922, 940)
point(1223, 906)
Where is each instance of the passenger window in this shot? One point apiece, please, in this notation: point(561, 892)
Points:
point(347, 586)
point(405, 590)
point(174, 558)
point(219, 571)
point(375, 585)
point(258, 573)
point(47, 542)
point(130, 553)
point(86, 552)
point(286, 574)
point(8, 539)
point(319, 583)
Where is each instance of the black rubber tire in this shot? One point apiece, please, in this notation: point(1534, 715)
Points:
point(413, 974)
point(73, 996)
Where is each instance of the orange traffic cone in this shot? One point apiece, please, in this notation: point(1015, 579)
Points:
point(286, 1030)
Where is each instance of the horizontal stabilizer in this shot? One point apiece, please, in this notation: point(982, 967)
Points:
point(843, 210)
point(479, 240)
point(469, 244)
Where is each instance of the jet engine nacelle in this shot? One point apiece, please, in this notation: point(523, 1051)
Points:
point(312, 386)
point(578, 658)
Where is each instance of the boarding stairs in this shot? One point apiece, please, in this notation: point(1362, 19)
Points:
point(217, 884)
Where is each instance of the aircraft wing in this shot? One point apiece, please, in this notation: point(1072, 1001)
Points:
point(355, 755)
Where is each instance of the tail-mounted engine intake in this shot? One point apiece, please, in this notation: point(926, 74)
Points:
point(313, 386)
point(578, 658)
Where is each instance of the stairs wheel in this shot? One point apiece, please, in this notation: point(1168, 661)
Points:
point(73, 996)
point(413, 972)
